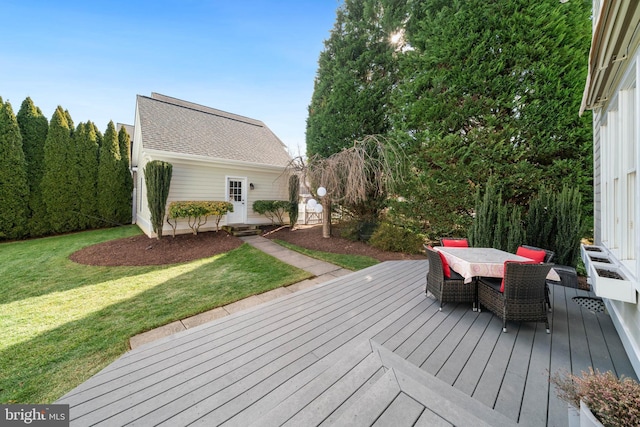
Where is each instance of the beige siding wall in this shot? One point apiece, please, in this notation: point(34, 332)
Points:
point(205, 181)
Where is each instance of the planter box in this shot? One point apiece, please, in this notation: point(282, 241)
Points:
point(607, 278)
point(587, 419)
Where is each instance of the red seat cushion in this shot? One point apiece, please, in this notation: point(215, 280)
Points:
point(505, 269)
point(455, 243)
point(445, 265)
point(536, 255)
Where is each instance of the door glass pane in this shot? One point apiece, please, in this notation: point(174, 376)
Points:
point(235, 191)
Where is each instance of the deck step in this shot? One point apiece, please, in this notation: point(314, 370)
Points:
point(242, 230)
point(443, 404)
point(373, 386)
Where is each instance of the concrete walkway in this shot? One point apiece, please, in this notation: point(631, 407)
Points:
point(322, 271)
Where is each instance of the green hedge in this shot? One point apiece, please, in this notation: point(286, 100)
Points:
point(197, 213)
point(390, 237)
point(272, 209)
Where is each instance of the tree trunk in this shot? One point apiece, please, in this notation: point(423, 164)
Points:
point(326, 217)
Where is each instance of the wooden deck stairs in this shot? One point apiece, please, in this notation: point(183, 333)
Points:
point(240, 230)
point(374, 386)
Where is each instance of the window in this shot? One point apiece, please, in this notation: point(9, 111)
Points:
point(618, 151)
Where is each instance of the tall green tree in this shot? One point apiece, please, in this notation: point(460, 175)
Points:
point(87, 165)
point(125, 194)
point(356, 71)
point(33, 128)
point(492, 89)
point(60, 178)
point(14, 189)
point(110, 179)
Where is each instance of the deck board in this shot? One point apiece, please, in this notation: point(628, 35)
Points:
point(533, 410)
point(304, 359)
point(515, 376)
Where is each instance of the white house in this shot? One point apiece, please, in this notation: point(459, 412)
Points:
point(215, 156)
point(611, 92)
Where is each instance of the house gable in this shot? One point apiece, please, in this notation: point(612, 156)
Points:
point(175, 126)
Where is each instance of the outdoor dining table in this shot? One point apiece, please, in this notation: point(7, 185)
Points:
point(486, 262)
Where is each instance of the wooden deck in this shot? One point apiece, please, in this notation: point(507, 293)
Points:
point(364, 349)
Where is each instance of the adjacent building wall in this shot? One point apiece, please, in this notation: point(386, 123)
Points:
point(206, 180)
point(616, 195)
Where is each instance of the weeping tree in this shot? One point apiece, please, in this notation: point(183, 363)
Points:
point(356, 177)
point(157, 177)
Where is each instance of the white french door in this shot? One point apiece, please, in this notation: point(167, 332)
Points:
point(237, 195)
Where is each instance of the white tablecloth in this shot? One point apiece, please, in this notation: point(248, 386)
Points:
point(486, 262)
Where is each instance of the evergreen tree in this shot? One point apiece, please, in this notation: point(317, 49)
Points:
point(294, 195)
point(14, 189)
point(60, 179)
point(87, 165)
point(157, 178)
point(356, 71)
point(70, 123)
point(125, 193)
point(492, 89)
point(97, 132)
point(110, 178)
point(33, 128)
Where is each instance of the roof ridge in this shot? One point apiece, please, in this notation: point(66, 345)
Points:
point(203, 109)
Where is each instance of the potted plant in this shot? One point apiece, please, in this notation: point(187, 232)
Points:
point(606, 399)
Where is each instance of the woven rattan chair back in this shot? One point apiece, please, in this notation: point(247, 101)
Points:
point(548, 254)
point(446, 289)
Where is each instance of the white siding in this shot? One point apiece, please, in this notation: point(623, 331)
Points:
point(616, 196)
point(193, 180)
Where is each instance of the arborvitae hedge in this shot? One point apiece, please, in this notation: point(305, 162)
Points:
point(60, 166)
point(60, 179)
point(14, 190)
point(33, 127)
point(110, 180)
point(87, 164)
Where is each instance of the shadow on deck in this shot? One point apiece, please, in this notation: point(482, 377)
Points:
point(367, 348)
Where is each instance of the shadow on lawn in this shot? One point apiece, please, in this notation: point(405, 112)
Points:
point(44, 368)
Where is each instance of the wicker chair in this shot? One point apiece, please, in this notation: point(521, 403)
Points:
point(547, 258)
point(446, 289)
point(549, 254)
point(567, 274)
point(454, 242)
point(523, 298)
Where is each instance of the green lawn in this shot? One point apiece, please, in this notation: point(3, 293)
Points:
point(350, 262)
point(61, 322)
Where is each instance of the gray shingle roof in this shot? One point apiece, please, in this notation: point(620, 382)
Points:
point(177, 126)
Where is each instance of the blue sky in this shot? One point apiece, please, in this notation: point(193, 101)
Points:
point(253, 58)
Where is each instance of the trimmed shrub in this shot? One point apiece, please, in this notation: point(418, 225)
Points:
point(272, 209)
point(157, 177)
point(389, 237)
point(541, 221)
point(483, 229)
point(294, 190)
point(568, 225)
point(197, 213)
